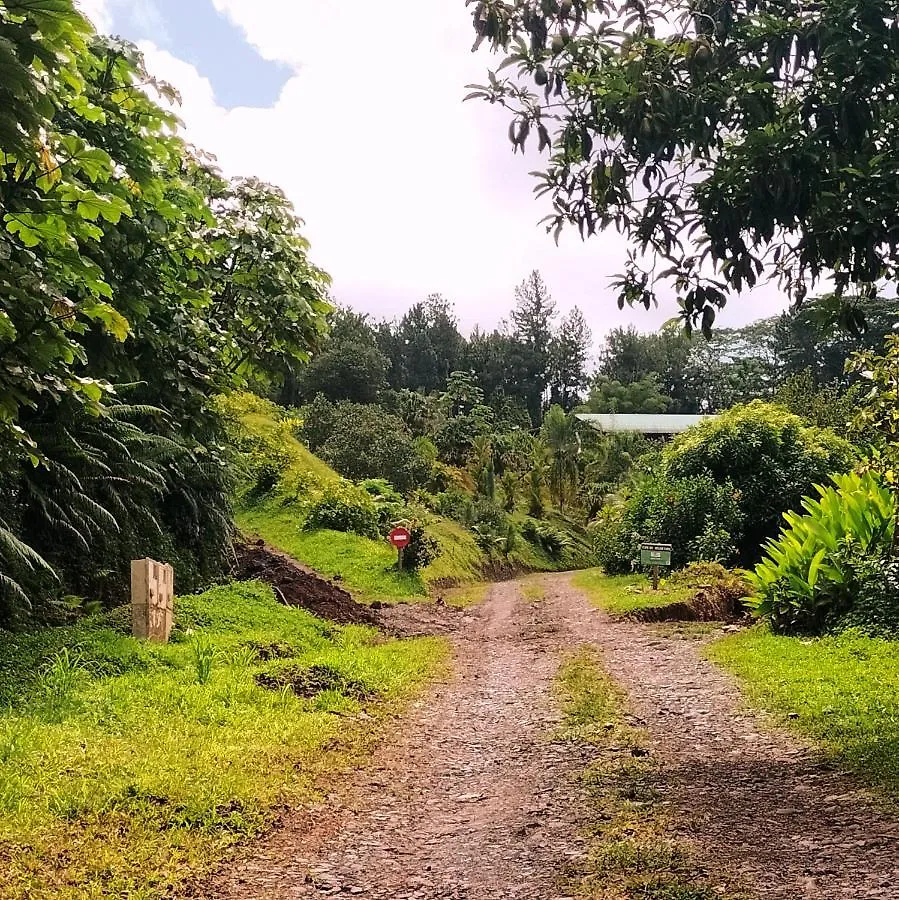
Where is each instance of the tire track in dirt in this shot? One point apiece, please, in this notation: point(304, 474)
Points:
point(473, 802)
point(751, 796)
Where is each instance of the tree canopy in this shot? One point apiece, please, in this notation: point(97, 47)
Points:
point(135, 284)
point(729, 140)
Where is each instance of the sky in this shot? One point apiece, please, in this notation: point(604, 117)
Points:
point(355, 109)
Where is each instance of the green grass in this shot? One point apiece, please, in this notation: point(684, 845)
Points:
point(632, 850)
point(367, 567)
point(621, 594)
point(842, 691)
point(461, 561)
point(127, 767)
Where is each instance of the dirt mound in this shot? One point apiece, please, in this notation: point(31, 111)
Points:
point(309, 681)
point(410, 620)
point(300, 587)
point(706, 606)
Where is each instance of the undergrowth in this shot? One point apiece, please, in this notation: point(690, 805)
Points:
point(127, 767)
point(631, 853)
point(841, 690)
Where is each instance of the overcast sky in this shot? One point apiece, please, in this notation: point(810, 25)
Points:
point(355, 109)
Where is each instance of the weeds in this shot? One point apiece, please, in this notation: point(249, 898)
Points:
point(203, 653)
point(165, 760)
point(631, 853)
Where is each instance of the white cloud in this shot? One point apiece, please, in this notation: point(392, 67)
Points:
point(97, 11)
point(405, 189)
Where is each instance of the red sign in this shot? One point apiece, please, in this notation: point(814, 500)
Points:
point(400, 538)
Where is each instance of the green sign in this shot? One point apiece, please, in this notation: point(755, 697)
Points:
point(655, 555)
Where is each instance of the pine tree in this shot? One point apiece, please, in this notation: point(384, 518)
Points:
point(569, 352)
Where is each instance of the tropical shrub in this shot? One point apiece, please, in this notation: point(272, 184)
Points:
point(389, 503)
point(812, 573)
point(422, 549)
point(875, 607)
point(614, 543)
point(552, 540)
point(695, 515)
point(768, 457)
point(344, 507)
point(365, 441)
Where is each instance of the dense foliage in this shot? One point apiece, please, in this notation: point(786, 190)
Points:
point(719, 490)
point(771, 459)
point(830, 558)
point(135, 284)
point(728, 141)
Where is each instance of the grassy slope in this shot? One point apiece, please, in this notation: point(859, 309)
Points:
point(619, 594)
point(122, 773)
point(365, 566)
point(842, 691)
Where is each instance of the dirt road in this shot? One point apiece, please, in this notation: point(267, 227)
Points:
point(477, 801)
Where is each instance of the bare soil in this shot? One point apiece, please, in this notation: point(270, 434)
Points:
point(296, 585)
point(475, 800)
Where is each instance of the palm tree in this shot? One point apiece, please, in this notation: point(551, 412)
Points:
point(559, 433)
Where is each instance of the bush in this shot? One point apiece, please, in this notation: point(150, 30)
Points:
point(422, 550)
point(613, 541)
point(696, 516)
point(344, 507)
point(769, 459)
point(813, 572)
point(875, 609)
point(365, 441)
point(457, 505)
point(389, 503)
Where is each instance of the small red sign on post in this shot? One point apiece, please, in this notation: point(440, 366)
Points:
point(400, 538)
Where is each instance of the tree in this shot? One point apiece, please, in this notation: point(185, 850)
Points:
point(629, 356)
point(569, 350)
point(133, 282)
point(641, 396)
point(466, 418)
point(559, 434)
point(767, 455)
point(365, 441)
point(828, 406)
point(532, 321)
point(349, 365)
point(425, 347)
point(821, 335)
point(269, 302)
point(877, 419)
point(728, 140)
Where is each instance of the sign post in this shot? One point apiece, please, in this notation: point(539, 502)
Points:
point(655, 555)
point(400, 538)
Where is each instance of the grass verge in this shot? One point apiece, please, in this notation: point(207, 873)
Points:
point(630, 852)
point(126, 768)
point(842, 691)
point(622, 594)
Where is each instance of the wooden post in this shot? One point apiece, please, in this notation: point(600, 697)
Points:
point(655, 578)
point(400, 558)
point(152, 599)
